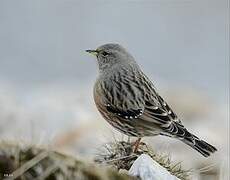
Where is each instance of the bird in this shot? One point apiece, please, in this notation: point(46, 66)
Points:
point(128, 100)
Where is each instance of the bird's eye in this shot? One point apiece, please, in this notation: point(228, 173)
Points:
point(104, 53)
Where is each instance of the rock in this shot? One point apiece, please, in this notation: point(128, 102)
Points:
point(148, 169)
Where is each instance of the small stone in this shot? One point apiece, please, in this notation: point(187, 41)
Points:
point(148, 169)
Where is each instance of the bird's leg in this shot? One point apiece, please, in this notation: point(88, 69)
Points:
point(136, 145)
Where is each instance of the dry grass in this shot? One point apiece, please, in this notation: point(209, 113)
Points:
point(30, 162)
point(120, 155)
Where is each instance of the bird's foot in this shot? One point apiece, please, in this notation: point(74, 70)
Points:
point(136, 145)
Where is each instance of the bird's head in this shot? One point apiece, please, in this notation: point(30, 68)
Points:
point(110, 55)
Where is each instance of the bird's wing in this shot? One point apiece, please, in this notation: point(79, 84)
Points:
point(122, 97)
point(126, 114)
point(157, 111)
point(164, 117)
point(160, 110)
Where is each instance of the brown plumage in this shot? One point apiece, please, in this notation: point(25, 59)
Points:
point(127, 99)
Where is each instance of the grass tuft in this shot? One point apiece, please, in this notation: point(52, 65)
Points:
point(120, 156)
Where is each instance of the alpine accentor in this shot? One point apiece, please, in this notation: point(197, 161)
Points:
point(128, 100)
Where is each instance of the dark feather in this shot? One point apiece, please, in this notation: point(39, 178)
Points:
point(128, 114)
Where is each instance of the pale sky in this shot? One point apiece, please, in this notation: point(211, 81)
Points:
point(177, 41)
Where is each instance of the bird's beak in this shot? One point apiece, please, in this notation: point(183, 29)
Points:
point(93, 52)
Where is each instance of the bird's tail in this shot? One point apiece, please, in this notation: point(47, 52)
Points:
point(199, 145)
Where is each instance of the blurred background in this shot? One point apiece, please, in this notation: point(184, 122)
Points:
point(46, 78)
